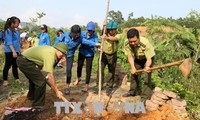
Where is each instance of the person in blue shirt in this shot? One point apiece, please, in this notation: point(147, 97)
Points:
point(1, 36)
point(73, 39)
point(86, 51)
point(11, 48)
point(59, 37)
point(44, 36)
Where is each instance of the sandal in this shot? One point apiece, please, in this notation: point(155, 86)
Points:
point(67, 91)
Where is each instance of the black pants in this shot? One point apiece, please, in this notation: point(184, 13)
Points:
point(135, 81)
point(111, 61)
point(69, 65)
point(10, 61)
point(89, 60)
point(37, 83)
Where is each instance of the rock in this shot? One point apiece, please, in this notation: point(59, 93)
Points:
point(157, 102)
point(150, 108)
point(170, 94)
point(181, 108)
point(157, 89)
point(179, 102)
point(154, 97)
point(149, 103)
point(161, 95)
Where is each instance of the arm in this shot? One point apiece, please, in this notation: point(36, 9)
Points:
point(56, 40)
point(51, 82)
point(111, 38)
point(8, 38)
point(48, 40)
point(13, 51)
point(132, 64)
point(148, 63)
point(88, 42)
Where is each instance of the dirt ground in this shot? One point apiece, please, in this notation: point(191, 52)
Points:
point(13, 101)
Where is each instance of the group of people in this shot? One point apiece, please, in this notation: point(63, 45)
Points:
point(37, 63)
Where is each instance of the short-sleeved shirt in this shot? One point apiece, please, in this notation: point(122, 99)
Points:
point(111, 47)
point(43, 56)
point(142, 51)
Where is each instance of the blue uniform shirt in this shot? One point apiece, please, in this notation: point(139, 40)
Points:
point(44, 39)
point(72, 44)
point(59, 39)
point(1, 35)
point(88, 44)
point(11, 38)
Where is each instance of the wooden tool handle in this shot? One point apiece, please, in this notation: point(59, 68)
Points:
point(65, 100)
point(162, 66)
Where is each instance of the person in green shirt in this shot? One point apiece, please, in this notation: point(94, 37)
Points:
point(109, 55)
point(140, 55)
point(37, 64)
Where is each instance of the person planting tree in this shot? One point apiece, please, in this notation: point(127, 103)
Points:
point(37, 63)
point(140, 55)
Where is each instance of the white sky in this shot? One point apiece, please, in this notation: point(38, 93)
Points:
point(65, 13)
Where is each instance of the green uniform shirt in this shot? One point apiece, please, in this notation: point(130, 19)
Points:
point(111, 47)
point(143, 50)
point(43, 56)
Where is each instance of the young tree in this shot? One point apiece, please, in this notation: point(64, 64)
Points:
point(40, 16)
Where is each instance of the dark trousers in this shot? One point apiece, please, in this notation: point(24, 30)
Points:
point(135, 81)
point(89, 60)
point(69, 64)
point(111, 61)
point(10, 61)
point(37, 83)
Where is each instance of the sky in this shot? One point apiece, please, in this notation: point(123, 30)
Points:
point(65, 13)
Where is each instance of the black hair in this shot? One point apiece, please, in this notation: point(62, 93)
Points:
point(59, 31)
point(45, 27)
point(9, 21)
point(132, 33)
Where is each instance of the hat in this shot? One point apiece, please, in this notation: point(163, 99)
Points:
point(61, 47)
point(91, 26)
point(23, 35)
point(111, 25)
point(74, 30)
point(43, 26)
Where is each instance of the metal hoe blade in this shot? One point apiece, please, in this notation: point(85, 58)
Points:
point(186, 67)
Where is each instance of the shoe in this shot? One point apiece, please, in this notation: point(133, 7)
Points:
point(5, 83)
point(108, 91)
point(67, 91)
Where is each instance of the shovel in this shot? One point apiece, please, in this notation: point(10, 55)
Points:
point(184, 65)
